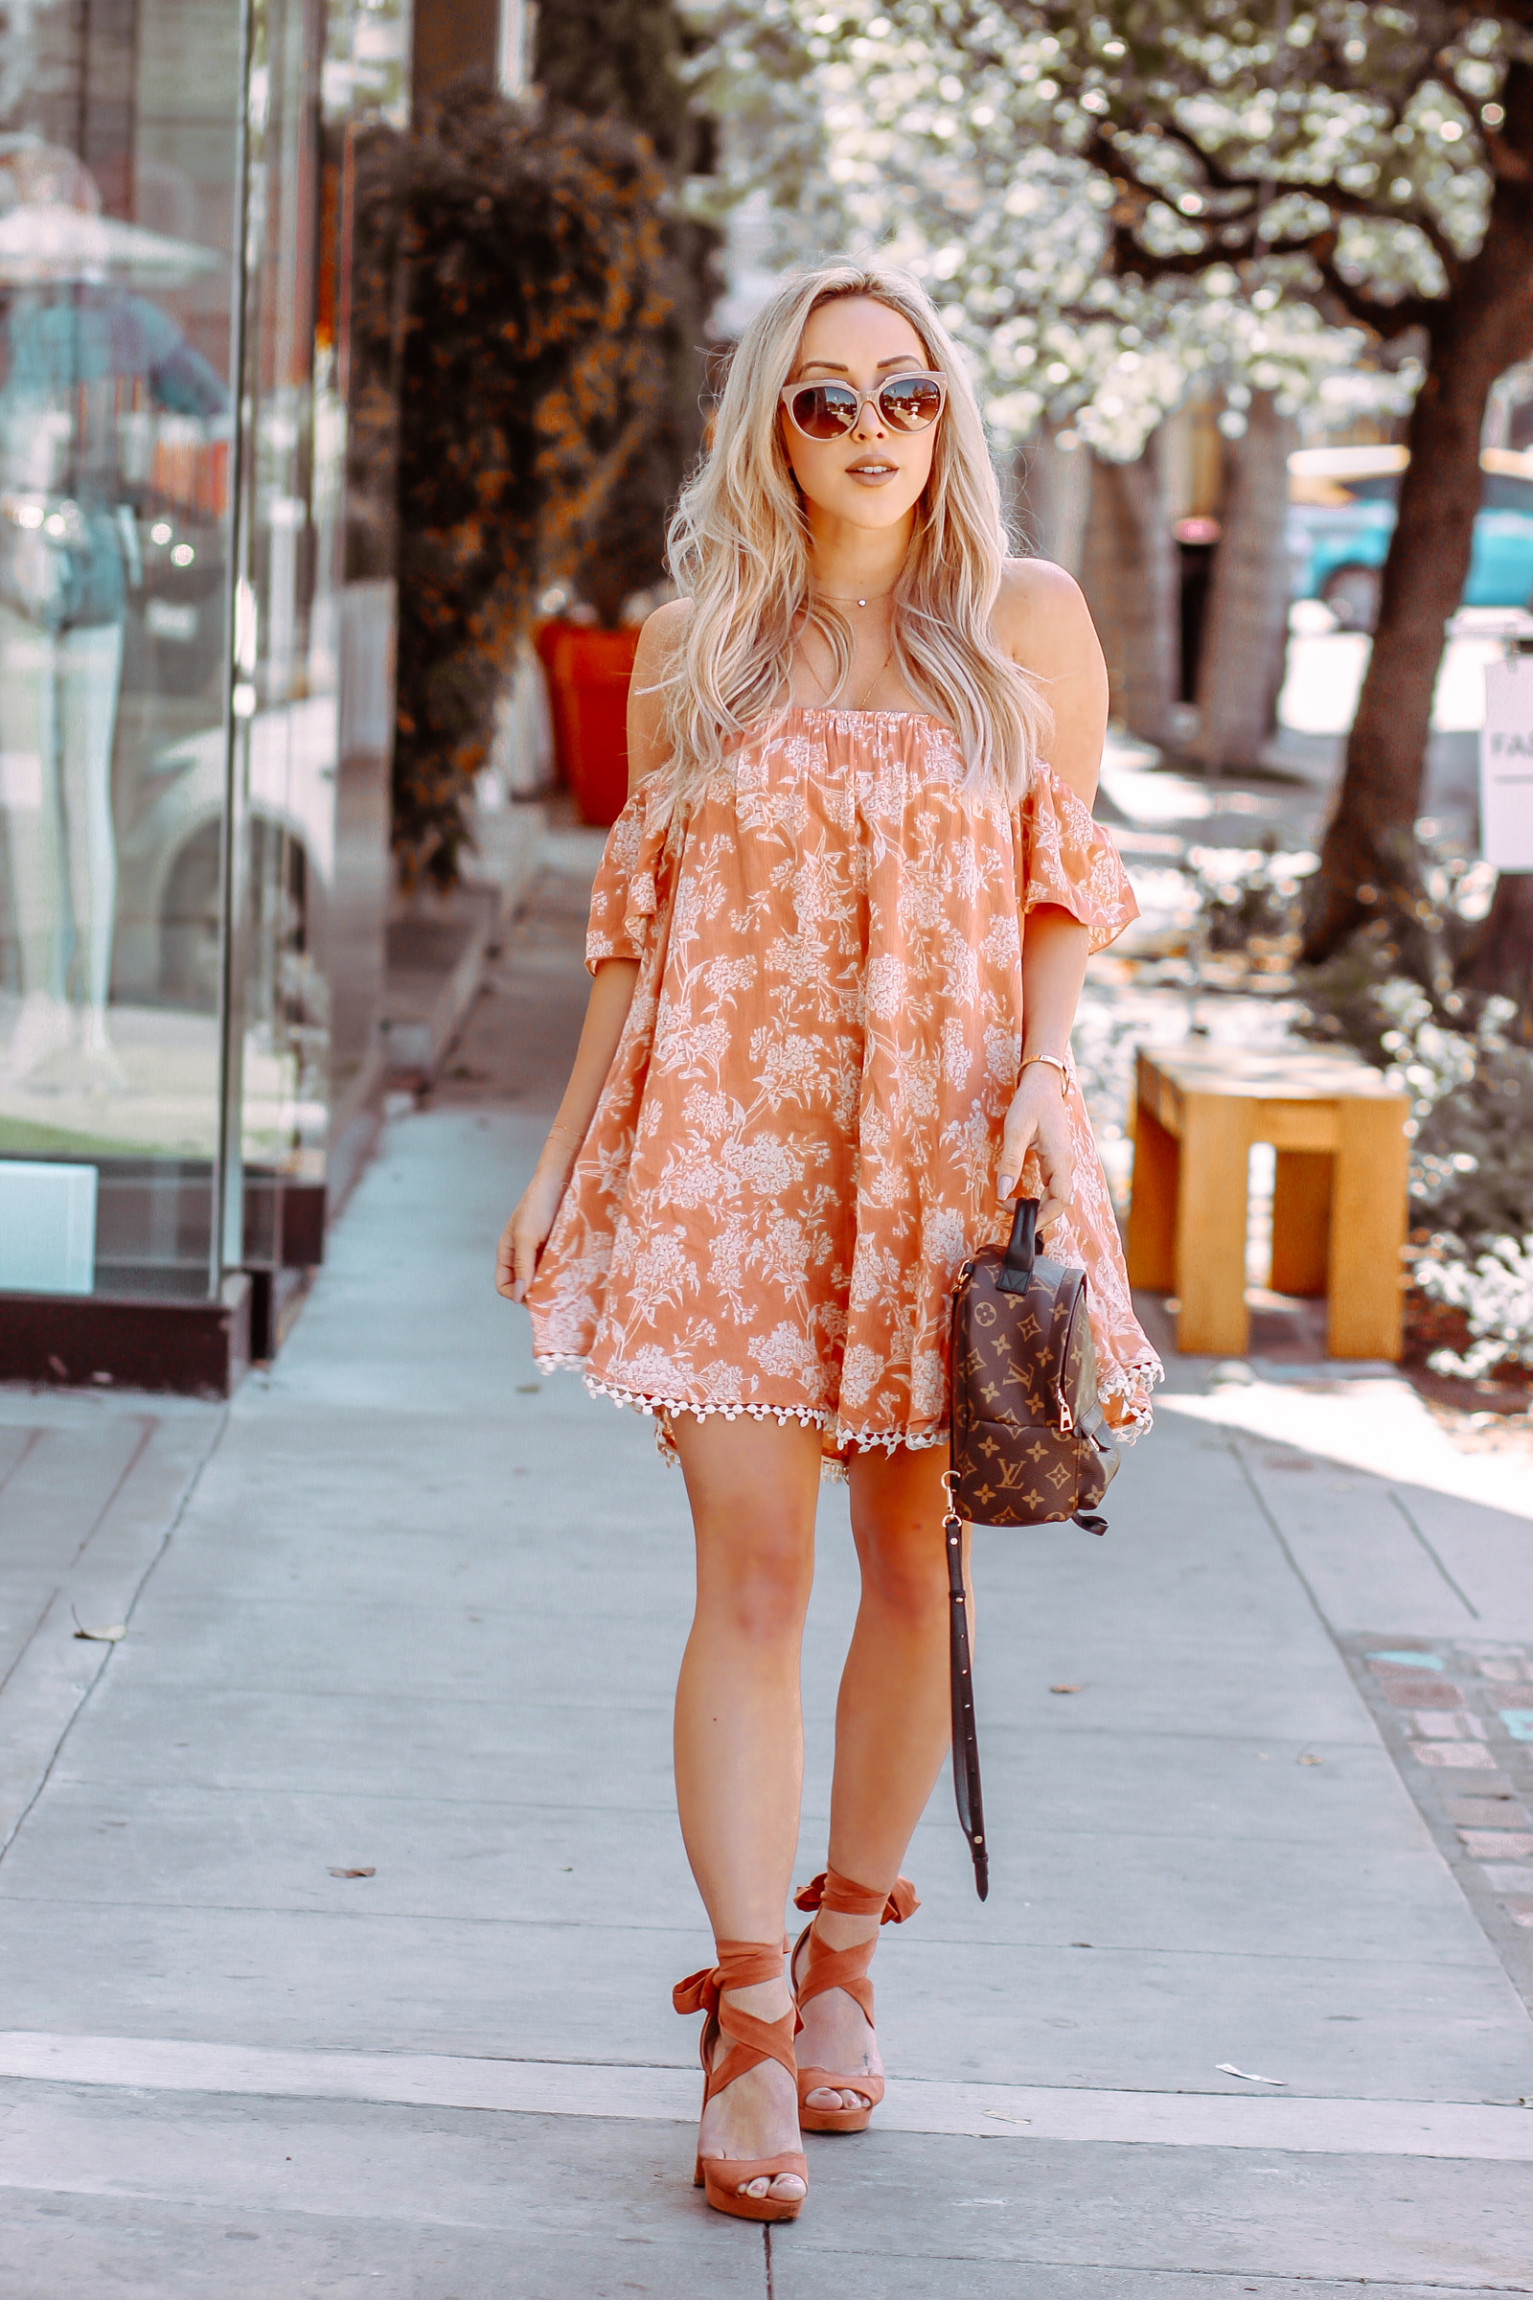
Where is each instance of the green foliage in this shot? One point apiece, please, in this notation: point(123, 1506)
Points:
point(1471, 1085)
point(625, 59)
point(1247, 892)
point(530, 373)
point(1495, 1295)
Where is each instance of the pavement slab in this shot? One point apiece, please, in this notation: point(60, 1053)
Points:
point(403, 1607)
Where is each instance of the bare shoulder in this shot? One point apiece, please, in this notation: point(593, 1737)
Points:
point(654, 658)
point(1042, 620)
point(662, 634)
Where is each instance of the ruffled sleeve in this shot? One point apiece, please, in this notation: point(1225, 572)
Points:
point(625, 897)
point(1068, 860)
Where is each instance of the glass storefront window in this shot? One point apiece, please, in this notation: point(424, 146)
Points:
point(195, 664)
point(313, 629)
point(116, 204)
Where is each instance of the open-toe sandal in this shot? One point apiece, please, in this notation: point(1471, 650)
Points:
point(815, 1969)
point(742, 1965)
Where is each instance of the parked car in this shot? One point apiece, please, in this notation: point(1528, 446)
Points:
point(1342, 513)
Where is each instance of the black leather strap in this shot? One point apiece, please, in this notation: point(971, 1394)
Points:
point(966, 1786)
point(1092, 1422)
point(1015, 1274)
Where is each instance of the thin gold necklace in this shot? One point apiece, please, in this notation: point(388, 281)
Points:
point(829, 703)
point(875, 601)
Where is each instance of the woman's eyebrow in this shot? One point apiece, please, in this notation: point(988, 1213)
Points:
point(897, 359)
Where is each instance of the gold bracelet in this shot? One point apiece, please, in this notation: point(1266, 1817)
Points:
point(1054, 1063)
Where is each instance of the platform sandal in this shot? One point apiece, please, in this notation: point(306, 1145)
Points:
point(741, 1965)
point(825, 1969)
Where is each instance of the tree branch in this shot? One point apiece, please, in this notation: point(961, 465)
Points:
point(1384, 319)
point(1345, 203)
point(1132, 260)
point(1105, 152)
point(1219, 177)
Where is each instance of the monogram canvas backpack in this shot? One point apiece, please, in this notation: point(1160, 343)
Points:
point(1030, 1442)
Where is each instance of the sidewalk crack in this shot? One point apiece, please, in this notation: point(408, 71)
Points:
point(215, 1438)
point(1473, 1610)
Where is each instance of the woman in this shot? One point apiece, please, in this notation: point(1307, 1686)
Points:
point(800, 1100)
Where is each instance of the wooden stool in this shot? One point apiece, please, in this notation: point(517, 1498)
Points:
point(1338, 1207)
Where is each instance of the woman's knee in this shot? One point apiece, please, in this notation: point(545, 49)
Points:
point(753, 1487)
point(904, 1568)
point(754, 1573)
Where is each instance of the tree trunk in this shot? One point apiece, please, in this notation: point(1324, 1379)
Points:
point(1055, 489)
point(1245, 634)
point(1480, 329)
point(1500, 956)
point(1129, 576)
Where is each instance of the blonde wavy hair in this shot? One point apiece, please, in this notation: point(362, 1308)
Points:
point(739, 545)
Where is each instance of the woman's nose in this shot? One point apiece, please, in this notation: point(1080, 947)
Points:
point(870, 423)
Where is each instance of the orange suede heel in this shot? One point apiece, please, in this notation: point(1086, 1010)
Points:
point(741, 1965)
point(826, 1969)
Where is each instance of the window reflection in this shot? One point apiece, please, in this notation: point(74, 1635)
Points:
point(176, 1053)
point(89, 364)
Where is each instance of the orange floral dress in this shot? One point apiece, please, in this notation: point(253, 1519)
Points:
point(796, 1145)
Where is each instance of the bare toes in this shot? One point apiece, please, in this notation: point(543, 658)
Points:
point(788, 2188)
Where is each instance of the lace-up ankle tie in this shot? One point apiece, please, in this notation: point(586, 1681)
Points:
point(742, 1965)
point(825, 1969)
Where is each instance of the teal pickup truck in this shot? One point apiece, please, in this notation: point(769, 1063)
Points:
point(1341, 515)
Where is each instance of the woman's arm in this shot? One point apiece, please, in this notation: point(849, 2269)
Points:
point(1054, 948)
point(525, 1235)
point(1042, 621)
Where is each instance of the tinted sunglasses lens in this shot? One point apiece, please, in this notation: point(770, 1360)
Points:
point(911, 402)
point(824, 410)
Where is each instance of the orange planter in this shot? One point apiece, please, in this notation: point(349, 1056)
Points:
point(588, 677)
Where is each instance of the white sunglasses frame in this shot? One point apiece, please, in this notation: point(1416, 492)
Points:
point(864, 399)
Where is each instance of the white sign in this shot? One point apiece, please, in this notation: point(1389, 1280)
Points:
point(1506, 765)
point(47, 1227)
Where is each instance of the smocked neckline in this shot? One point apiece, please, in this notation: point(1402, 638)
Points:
point(837, 711)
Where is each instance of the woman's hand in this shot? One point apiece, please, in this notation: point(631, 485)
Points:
point(526, 1234)
point(1039, 1120)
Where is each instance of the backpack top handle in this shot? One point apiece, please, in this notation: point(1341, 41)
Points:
point(1016, 1271)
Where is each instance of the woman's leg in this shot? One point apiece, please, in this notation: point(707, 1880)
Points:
point(893, 1720)
point(739, 1727)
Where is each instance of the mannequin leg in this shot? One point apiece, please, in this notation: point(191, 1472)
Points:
point(90, 673)
point(34, 825)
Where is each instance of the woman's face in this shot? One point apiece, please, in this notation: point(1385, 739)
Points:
point(871, 476)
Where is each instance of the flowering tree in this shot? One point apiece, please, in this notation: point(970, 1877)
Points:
point(937, 134)
point(1379, 159)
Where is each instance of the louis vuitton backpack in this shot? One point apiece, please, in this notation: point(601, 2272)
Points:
point(1030, 1443)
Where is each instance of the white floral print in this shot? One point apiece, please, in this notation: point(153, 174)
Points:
point(795, 1149)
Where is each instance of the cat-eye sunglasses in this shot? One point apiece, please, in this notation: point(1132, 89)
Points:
point(833, 410)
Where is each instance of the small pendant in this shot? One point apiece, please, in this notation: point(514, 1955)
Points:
point(862, 602)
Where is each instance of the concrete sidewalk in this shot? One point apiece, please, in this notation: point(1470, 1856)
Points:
point(343, 1893)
